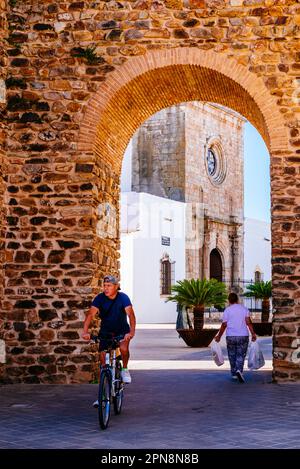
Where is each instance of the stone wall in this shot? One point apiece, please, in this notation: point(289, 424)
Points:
point(209, 126)
point(3, 64)
point(158, 155)
point(82, 77)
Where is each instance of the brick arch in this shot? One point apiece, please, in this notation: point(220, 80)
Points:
point(145, 85)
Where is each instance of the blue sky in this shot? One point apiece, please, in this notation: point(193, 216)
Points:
point(256, 175)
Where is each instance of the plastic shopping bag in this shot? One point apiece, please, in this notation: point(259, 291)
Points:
point(255, 358)
point(217, 353)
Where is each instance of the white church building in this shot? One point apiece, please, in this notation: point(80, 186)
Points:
point(152, 253)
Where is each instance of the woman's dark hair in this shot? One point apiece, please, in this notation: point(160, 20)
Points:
point(233, 298)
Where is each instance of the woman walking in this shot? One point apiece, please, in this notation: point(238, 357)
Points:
point(236, 321)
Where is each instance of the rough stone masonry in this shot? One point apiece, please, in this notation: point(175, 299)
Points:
point(76, 80)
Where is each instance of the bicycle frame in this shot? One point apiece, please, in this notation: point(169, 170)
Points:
point(110, 364)
point(111, 386)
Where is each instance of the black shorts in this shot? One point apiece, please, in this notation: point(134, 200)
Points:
point(105, 340)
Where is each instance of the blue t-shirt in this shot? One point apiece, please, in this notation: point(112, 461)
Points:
point(112, 313)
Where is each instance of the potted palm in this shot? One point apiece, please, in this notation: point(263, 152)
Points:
point(261, 290)
point(198, 294)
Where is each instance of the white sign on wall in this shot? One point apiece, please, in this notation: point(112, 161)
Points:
point(165, 241)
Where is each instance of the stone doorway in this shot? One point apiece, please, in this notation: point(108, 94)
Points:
point(215, 265)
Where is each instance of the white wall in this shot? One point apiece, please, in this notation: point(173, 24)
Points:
point(126, 265)
point(257, 252)
point(144, 220)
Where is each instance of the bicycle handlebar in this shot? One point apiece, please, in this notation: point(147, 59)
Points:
point(109, 337)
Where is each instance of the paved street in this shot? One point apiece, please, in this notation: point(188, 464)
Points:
point(163, 409)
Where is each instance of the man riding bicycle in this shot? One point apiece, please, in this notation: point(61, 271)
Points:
point(113, 307)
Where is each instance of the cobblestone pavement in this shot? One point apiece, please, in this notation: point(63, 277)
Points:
point(163, 409)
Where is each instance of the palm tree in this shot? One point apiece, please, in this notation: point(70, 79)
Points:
point(261, 290)
point(198, 294)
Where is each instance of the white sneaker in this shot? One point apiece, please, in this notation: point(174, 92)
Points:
point(126, 376)
point(96, 404)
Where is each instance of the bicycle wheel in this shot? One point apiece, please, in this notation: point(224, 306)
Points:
point(104, 399)
point(119, 393)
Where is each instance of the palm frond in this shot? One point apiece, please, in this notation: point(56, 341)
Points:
point(260, 290)
point(196, 292)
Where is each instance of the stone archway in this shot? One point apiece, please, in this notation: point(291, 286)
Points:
point(69, 121)
point(122, 103)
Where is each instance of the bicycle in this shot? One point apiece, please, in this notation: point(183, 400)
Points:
point(111, 386)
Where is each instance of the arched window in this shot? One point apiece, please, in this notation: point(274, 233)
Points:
point(167, 275)
point(257, 276)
